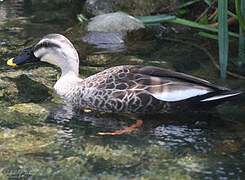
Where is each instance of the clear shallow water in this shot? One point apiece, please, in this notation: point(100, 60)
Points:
point(42, 137)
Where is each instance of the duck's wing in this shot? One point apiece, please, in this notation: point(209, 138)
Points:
point(166, 73)
point(171, 86)
point(162, 84)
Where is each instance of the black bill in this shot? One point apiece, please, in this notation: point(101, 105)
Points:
point(25, 58)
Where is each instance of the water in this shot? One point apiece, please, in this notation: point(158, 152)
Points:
point(41, 137)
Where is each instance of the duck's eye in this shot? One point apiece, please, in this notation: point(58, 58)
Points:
point(46, 44)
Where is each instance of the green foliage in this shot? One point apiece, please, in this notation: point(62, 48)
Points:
point(209, 2)
point(241, 50)
point(222, 29)
point(155, 19)
point(208, 35)
point(81, 18)
point(223, 36)
point(176, 20)
point(204, 19)
point(239, 14)
point(188, 3)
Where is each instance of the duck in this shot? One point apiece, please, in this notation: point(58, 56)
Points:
point(125, 88)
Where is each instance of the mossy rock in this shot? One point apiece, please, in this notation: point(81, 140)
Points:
point(26, 139)
point(32, 109)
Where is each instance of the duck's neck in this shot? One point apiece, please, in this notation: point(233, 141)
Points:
point(67, 85)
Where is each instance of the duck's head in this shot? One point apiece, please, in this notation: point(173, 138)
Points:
point(55, 49)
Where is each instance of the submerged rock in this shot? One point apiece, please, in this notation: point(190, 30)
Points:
point(107, 41)
point(26, 139)
point(31, 109)
point(228, 146)
point(114, 22)
point(22, 114)
point(108, 33)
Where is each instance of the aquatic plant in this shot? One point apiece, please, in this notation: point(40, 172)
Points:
point(221, 27)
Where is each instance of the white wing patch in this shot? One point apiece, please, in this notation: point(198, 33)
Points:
point(178, 95)
point(220, 97)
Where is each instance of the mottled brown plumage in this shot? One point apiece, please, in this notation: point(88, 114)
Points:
point(129, 89)
point(125, 89)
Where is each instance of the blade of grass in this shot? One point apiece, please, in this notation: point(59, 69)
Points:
point(223, 36)
point(231, 14)
point(155, 19)
point(81, 18)
point(197, 25)
point(241, 49)
point(239, 14)
point(176, 20)
point(208, 2)
point(187, 4)
point(207, 35)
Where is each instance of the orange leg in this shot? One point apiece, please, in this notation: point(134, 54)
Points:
point(128, 129)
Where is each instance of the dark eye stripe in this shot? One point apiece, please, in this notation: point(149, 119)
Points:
point(45, 44)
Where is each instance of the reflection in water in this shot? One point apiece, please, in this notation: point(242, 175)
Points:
point(173, 130)
point(11, 9)
point(106, 42)
point(194, 140)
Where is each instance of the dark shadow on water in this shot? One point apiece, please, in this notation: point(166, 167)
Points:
point(30, 90)
point(70, 117)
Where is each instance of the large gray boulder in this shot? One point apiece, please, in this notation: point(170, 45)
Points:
point(115, 22)
point(111, 31)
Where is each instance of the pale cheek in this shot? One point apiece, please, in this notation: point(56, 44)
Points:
point(49, 55)
point(51, 59)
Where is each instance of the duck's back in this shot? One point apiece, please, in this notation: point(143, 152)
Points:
point(136, 89)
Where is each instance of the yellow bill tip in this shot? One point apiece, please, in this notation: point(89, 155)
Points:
point(87, 110)
point(10, 62)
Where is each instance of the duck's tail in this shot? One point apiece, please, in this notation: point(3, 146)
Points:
point(221, 96)
point(212, 99)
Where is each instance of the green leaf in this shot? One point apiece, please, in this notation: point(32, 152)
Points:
point(223, 36)
point(81, 18)
point(188, 3)
point(173, 19)
point(239, 14)
point(208, 35)
point(209, 2)
point(231, 14)
point(204, 19)
point(241, 49)
point(155, 19)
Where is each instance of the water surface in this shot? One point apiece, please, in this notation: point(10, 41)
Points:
point(41, 137)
